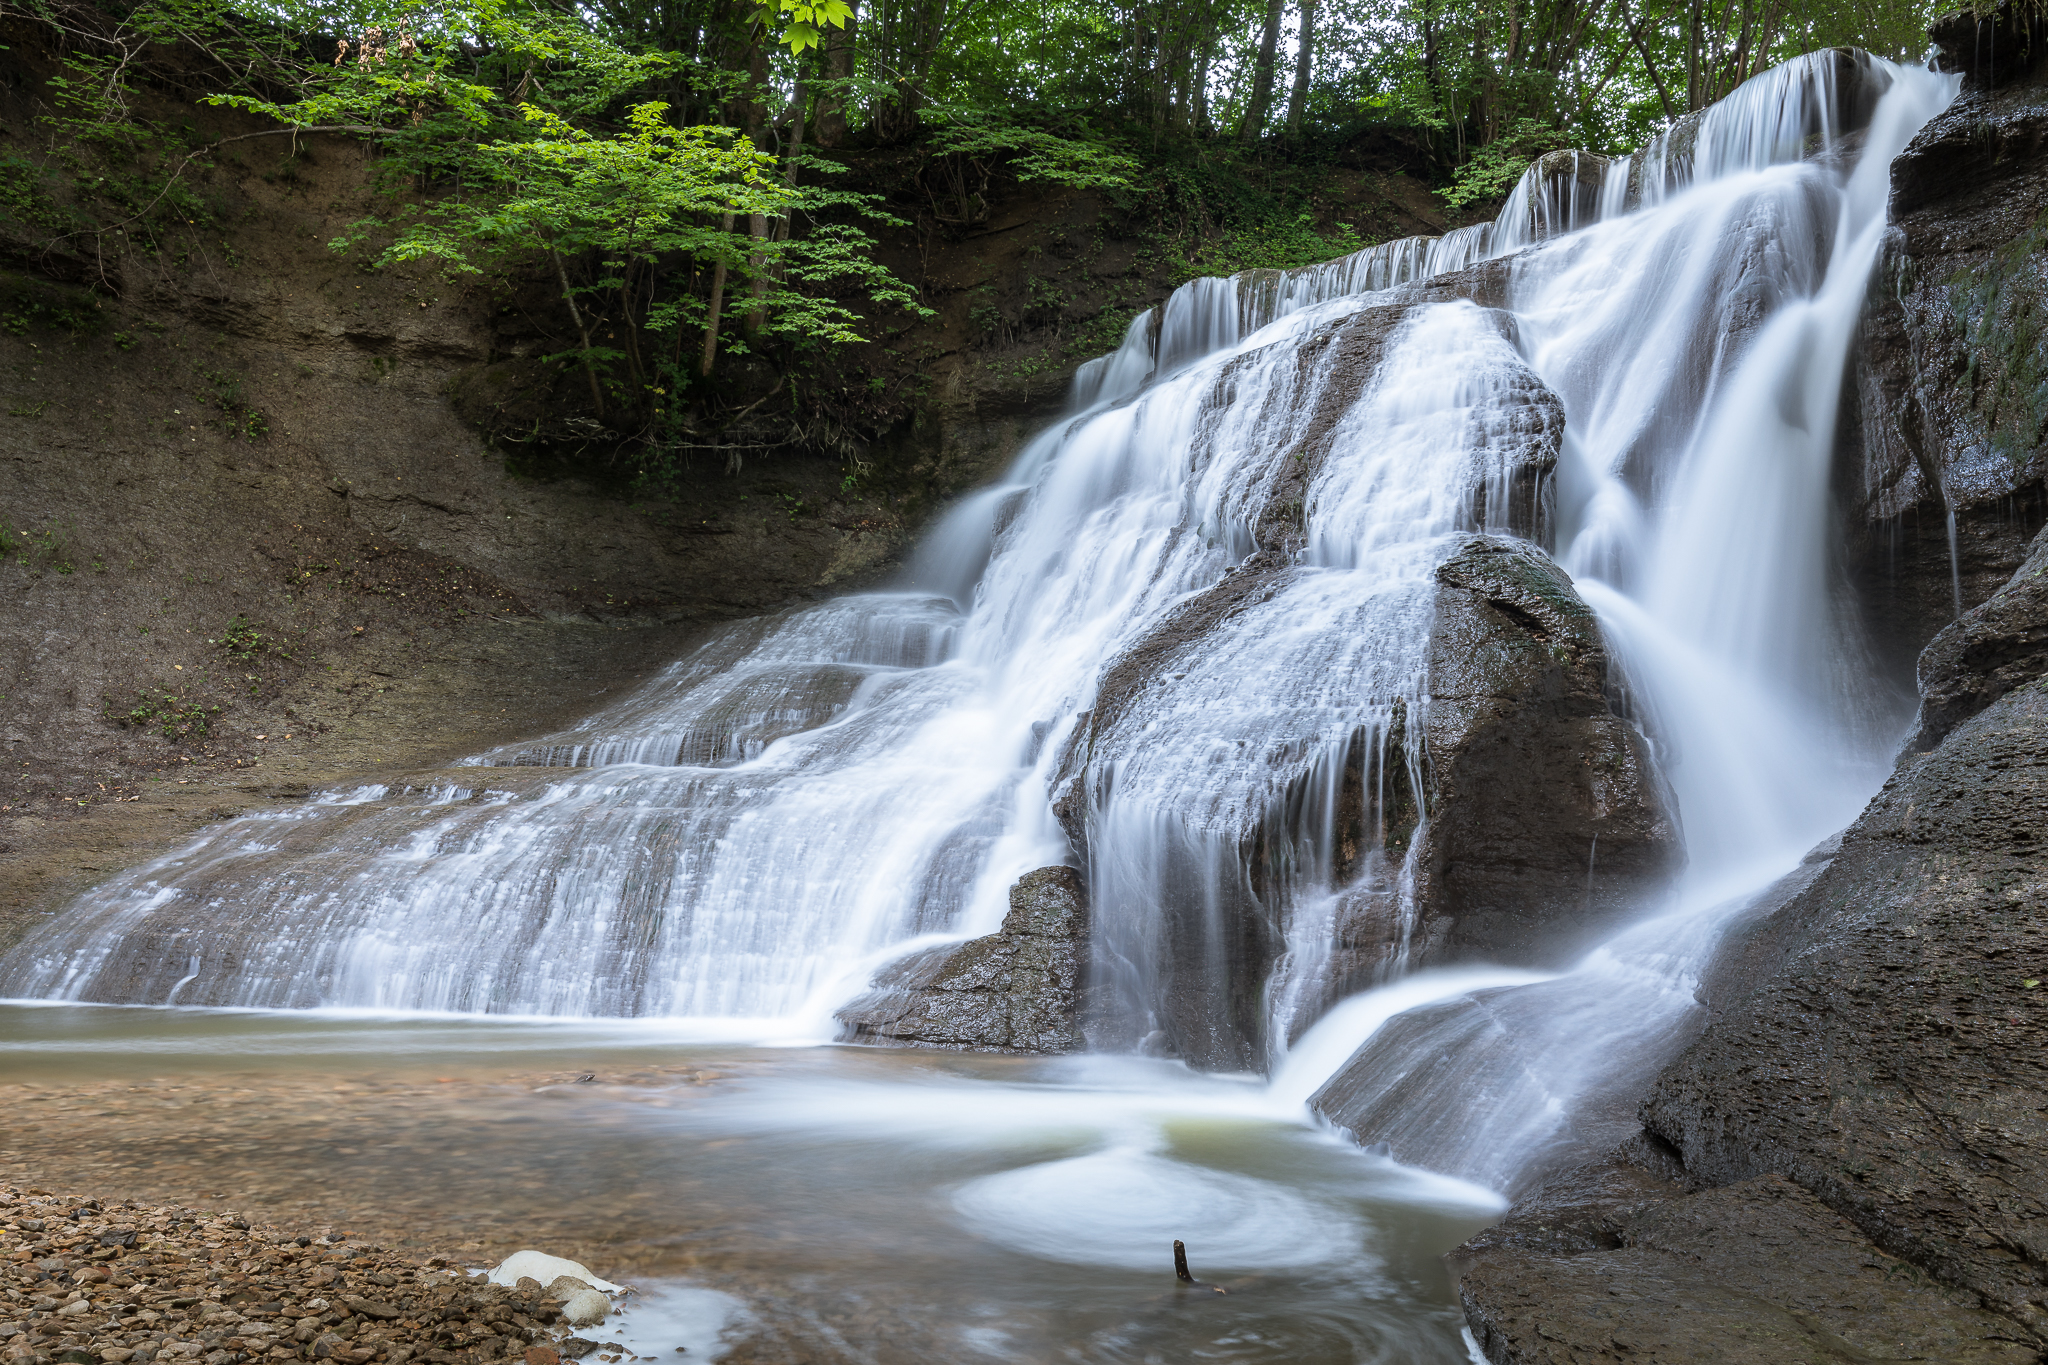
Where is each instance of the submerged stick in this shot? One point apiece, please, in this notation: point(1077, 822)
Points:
point(1181, 1272)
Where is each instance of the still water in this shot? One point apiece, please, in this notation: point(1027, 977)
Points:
point(775, 1200)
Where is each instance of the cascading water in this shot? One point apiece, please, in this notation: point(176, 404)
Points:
point(808, 795)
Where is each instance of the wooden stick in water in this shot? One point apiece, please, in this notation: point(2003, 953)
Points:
point(1181, 1272)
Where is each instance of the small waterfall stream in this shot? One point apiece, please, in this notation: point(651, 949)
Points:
point(740, 844)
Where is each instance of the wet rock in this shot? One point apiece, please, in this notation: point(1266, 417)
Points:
point(540, 1266)
point(1548, 821)
point(586, 1309)
point(1017, 990)
point(2007, 44)
point(1991, 649)
point(1948, 405)
point(566, 1286)
point(1614, 1264)
point(1885, 1046)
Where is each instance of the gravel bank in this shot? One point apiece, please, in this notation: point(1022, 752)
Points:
point(82, 1283)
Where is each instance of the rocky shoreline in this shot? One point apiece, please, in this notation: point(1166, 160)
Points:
point(83, 1282)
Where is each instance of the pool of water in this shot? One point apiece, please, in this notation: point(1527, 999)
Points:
point(774, 1200)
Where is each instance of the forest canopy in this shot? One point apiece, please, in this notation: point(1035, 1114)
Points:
point(678, 164)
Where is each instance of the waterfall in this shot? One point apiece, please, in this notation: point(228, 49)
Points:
point(1636, 369)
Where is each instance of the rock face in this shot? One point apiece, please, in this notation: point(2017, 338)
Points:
point(1548, 820)
point(1951, 378)
point(1879, 1039)
point(1889, 1052)
point(1017, 990)
point(1985, 653)
point(1615, 1264)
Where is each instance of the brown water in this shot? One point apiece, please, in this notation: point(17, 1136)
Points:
point(849, 1204)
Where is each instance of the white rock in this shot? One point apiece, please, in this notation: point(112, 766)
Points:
point(547, 1269)
point(586, 1309)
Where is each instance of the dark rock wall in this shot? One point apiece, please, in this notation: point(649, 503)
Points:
point(1951, 381)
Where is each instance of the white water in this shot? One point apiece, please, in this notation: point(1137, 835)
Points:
point(744, 840)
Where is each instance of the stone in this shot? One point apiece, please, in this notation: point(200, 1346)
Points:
point(1616, 1263)
point(566, 1286)
point(1549, 823)
point(1986, 652)
point(586, 1309)
point(1943, 441)
point(77, 1308)
point(1885, 1043)
point(542, 1355)
point(545, 1268)
point(1017, 990)
point(575, 1348)
point(371, 1308)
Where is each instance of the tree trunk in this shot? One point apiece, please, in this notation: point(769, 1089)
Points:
point(717, 306)
point(1304, 60)
point(831, 120)
point(1254, 125)
point(575, 313)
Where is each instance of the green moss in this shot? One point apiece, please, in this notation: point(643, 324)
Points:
point(2001, 312)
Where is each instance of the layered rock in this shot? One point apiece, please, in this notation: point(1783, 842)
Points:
point(1992, 648)
point(1016, 990)
point(1616, 1264)
point(1951, 379)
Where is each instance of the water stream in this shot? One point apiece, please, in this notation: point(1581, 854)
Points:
point(736, 848)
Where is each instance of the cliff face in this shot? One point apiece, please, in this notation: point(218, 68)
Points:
point(1952, 376)
point(1850, 1161)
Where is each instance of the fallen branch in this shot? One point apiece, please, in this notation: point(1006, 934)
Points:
point(1181, 1272)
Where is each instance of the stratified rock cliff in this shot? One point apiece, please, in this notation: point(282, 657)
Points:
point(1952, 373)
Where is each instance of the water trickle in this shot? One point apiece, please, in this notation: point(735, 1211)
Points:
point(1185, 641)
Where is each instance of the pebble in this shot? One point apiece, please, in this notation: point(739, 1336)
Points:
point(175, 1286)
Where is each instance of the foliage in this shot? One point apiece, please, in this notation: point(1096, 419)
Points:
point(174, 715)
point(1493, 169)
point(243, 642)
point(674, 172)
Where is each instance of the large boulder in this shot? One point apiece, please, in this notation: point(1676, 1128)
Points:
point(1548, 822)
point(1885, 1043)
point(1017, 990)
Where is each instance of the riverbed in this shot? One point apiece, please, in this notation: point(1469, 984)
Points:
point(821, 1203)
